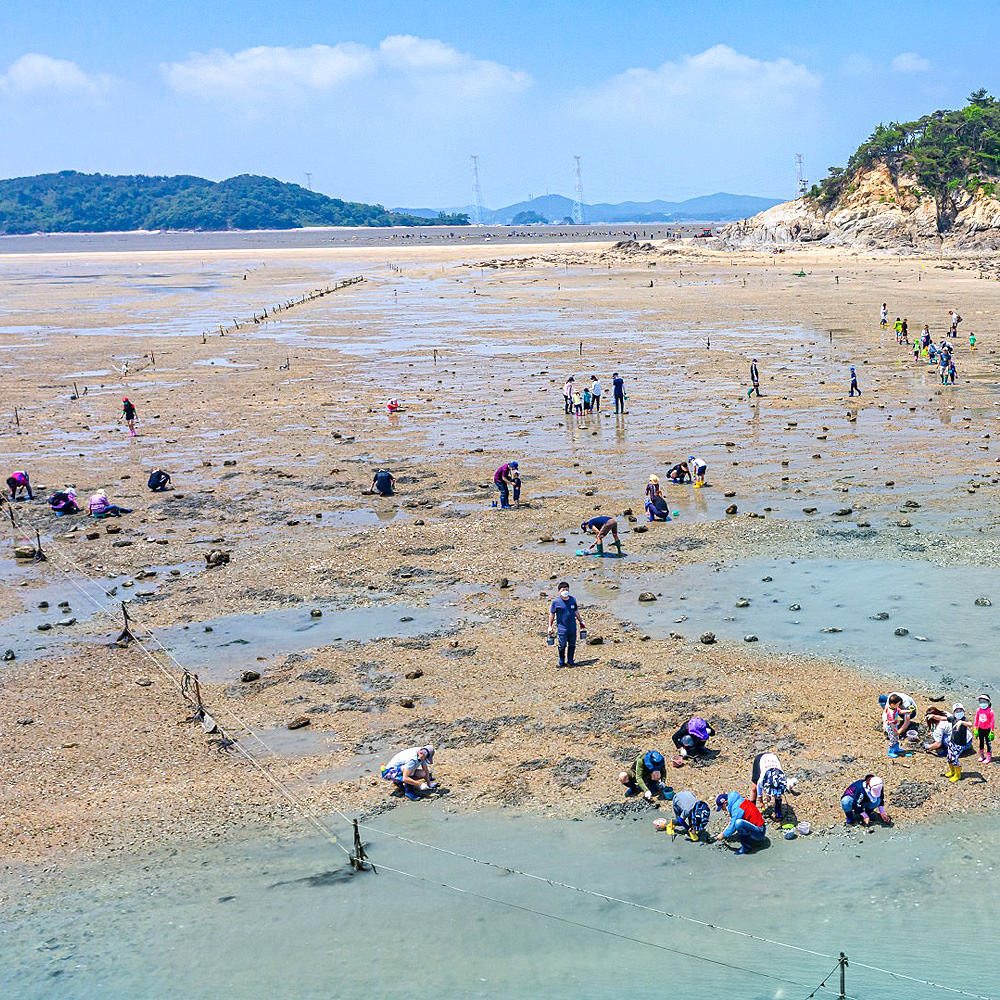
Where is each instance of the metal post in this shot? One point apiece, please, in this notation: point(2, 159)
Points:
point(843, 970)
point(40, 556)
point(359, 860)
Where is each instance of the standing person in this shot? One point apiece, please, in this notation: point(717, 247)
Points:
point(745, 820)
point(956, 742)
point(564, 616)
point(972, 341)
point(754, 380)
point(984, 723)
point(891, 722)
point(568, 394)
point(588, 399)
point(653, 487)
point(862, 797)
point(698, 470)
point(884, 317)
point(596, 389)
point(602, 526)
point(768, 781)
point(19, 481)
point(503, 478)
point(905, 333)
point(898, 329)
point(129, 415)
point(618, 390)
point(854, 383)
point(578, 402)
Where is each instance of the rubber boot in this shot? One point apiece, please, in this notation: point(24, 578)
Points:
point(618, 546)
point(693, 837)
point(956, 774)
point(948, 773)
point(981, 758)
point(989, 757)
point(600, 548)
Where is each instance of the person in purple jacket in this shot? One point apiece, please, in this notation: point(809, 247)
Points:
point(691, 738)
point(503, 479)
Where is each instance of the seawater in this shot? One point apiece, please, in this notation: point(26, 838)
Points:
point(278, 918)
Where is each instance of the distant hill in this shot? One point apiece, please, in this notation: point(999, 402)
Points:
point(706, 208)
point(71, 202)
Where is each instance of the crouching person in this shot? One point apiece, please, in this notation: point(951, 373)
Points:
point(691, 816)
point(646, 776)
point(410, 772)
point(745, 821)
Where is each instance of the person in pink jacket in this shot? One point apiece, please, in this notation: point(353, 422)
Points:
point(984, 724)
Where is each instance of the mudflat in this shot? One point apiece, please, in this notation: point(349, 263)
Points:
point(432, 603)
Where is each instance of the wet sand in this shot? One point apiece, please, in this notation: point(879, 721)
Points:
point(298, 404)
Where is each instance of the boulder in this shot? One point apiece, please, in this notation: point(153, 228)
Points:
point(983, 602)
point(750, 638)
point(731, 509)
point(647, 596)
point(249, 676)
point(300, 721)
point(217, 557)
point(707, 638)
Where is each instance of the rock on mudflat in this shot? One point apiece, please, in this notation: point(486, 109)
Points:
point(217, 557)
point(831, 628)
point(880, 616)
point(732, 509)
point(983, 602)
point(743, 602)
point(750, 638)
point(707, 638)
point(901, 631)
point(794, 607)
point(646, 596)
point(299, 722)
point(249, 676)
point(903, 523)
point(8, 655)
point(143, 682)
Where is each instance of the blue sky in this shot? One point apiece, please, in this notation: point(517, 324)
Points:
point(385, 102)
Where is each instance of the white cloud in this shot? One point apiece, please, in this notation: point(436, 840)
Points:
point(910, 62)
point(857, 65)
point(719, 77)
point(260, 73)
point(34, 73)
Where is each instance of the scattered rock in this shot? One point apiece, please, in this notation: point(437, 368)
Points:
point(831, 629)
point(731, 509)
point(229, 461)
point(24, 551)
point(217, 557)
point(912, 504)
point(413, 675)
point(44, 626)
point(750, 638)
point(595, 640)
point(729, 494)
point(808, 510)
point(743, 602)
point(640, 528)
point(406, 702)
point(843, 512)
point(8, 655)
point(983, 602)
point(143, 682)
point(26, 721)
point(249, 676)
point(647, 596)
point(794, 607)
point(300, 721)
point(112, 529)
point(707, 638)
point(92, 536)
point(316, 613)
point(901, 631)
point(880, 616)
point(504, 583)
point(903, 523)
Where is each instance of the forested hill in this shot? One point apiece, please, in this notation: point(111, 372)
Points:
point(71, 202)
point(947, 153)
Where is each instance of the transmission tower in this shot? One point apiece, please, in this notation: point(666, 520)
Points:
point(479, 213)
point(803, 184)
point(578, 204)
point(309, 180)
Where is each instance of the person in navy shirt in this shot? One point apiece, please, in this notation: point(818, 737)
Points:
point(563, 619)
point(618, 391)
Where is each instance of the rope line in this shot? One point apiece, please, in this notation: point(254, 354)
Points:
point(597, 929)
point(599, 895)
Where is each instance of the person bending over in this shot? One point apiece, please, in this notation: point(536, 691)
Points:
point(383, 483)
point(159, 481)
point(645, 776)
point(410, 771)
point(691, 738)
point(19, 482)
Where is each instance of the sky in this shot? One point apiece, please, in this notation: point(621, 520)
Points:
point(385, 102)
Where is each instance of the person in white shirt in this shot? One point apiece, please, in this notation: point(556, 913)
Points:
point(410, 771)
point(595, 391)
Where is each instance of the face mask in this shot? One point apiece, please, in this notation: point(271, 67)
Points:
point(984, 704)
point(959, 716)
point(564, 594)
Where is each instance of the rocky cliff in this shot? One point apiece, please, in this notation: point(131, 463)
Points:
point(877, 210)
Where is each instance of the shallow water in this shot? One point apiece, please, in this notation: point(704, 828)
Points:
point(936, 603)
point(234, 639)
point(282, 919)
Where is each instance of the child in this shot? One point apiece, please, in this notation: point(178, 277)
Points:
point(699, 470)
point(19, 481)
point(578, 402)
point(890, 724)
point(653, 487)
point(984, 722)
point(955, 742)
point(128, 414)
point(972, 341)
point(884, 321)
point(588, 400)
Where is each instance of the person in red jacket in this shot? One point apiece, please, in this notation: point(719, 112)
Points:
point(745, 820)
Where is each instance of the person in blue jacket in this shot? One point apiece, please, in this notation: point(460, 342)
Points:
point(745, 820)
point(862, 797)
point(563, 619)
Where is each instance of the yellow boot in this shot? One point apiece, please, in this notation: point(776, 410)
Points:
point(956, 773)
point(949, 772)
